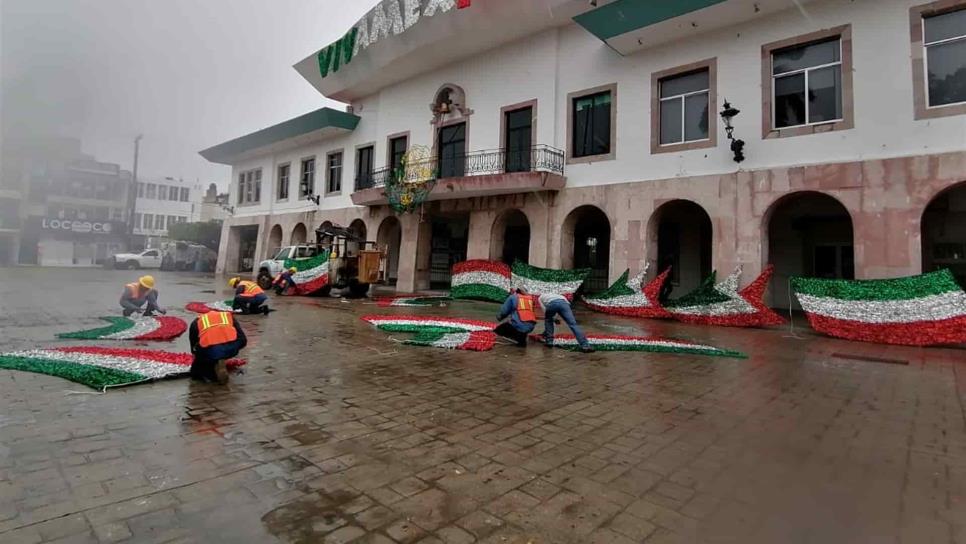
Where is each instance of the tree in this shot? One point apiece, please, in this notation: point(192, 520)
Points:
point(207, 234)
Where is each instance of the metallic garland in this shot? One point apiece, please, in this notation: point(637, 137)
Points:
point(642, 343)
point(411, 301)
point(480, 280)
point(724, 305)
point(205, 307)
point(312, 274)
point(631, 297)
point(122, 328)
point(538, 281)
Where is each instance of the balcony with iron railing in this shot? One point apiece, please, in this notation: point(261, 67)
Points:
point(477, 173)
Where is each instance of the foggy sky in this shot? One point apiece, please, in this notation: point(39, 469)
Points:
point(187, 74)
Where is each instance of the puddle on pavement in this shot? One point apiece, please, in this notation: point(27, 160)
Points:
point(307, 519)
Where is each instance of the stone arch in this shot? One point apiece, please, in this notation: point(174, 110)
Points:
point(357, 227)
point(585, 240)
point(510, 237)
point(274, 240)
point(942, 228)
point(807, 233)
point(389, 239)
point(299, 234)
point(680, 235)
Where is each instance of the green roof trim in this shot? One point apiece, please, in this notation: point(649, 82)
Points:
point(623, 16)
point(303, 124)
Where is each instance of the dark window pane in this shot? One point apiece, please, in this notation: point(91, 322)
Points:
point(687, 83)
point(790, 101)
point(671, 121)
point(518, 140)
point(696, 117)
point(945, 26)
point(591, 131)
point(805, 56)
point(825, 94)
point(397, 150)
point(947, 73)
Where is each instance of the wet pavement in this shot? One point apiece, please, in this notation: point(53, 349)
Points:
point(334, 433)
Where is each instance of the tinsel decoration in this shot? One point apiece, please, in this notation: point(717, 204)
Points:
point(101, 368)
point(439, 332)
point(409, 185)
point(411, 301)
point(312, 274)
point(205, 307)
point(722, 304)
point(158, 328)
point(538, 281)
point(631, 297)
point(613, 342)
point(480, 280)
point(924, 310)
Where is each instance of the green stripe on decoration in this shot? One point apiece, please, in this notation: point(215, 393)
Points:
point(549, 275)
point(307, 264)
point(933, 283)
point(91, 375)
point(117, 324)
point(479, 291)
point(651, 348)
point(618, 289)
point(420, 329)
point(704, 295)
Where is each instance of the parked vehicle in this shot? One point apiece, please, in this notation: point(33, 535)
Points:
point(269, 268)
point(149, 258)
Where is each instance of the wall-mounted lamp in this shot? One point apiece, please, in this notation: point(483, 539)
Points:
point(304, 189)
point(229, 209)
point(737, 146)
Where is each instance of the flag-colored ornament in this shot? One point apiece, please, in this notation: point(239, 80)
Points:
point(312, 274)
point(538, 281)
point(924, 310)
point(124, 328)
point(102, 368)
point(611, 342)
point(480, 280)
point(411, 301)
point(439, 332)
point(631, 297)
point(724, 305)
point(205, 307)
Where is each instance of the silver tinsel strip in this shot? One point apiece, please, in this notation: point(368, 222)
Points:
point(452, 340)
point(570, 341)
point(142, 326)
point(734, 306)
point(147, 368)
point(311, 274)
point(939, 307)
point(431, 323)
point(537, 287)
point(484, 278)
point(441, 6)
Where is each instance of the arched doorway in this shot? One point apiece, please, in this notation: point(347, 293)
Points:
point(389, 237)
point(809, 234)
point(274, 240)
point(943, 230)
point(585, 240)
point(358, 228)
point(510, 238)
point(681, 233)
point(299, 235)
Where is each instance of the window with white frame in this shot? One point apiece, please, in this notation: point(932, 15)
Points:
point(185, 192)
point(137, 220)
point(140, 190)
point(173, 194)
point(162, 192)
point(152, 191)
point(148, 221)
point(944, 39)
point(685, 105)
point(807, 84)
point(250, 187)
point(307, 180)
point(159, 222)
point(334, 172)
point(284, 174)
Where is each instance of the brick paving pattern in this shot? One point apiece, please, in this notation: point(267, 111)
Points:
point(336, 434)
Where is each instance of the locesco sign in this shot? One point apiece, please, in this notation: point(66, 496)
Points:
point(75, 226)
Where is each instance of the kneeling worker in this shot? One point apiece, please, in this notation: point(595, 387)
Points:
point(138, 293)
point(215, 337)
point(284, 280)
point(248, 296)
point(554, 305)
point(519, 308)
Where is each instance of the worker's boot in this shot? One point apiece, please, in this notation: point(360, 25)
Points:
point(221, 372)
point(265, 310)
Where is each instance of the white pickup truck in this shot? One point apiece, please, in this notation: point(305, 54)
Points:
point(269, 268)
point(149, 258)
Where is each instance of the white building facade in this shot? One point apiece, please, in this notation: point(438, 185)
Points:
point(569, 135)
point(163, 202)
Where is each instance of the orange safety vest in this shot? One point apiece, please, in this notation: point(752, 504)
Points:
point(133, 290)
point(251, 289)
point(525, 308)
point(216, 328)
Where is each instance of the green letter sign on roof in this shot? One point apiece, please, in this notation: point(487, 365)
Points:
point(332, 58)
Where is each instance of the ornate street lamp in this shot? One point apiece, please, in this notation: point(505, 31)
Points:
point(728, 113)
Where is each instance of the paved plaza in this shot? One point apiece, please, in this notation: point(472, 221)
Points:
point(335, 433)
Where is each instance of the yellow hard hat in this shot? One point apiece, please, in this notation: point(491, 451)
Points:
point(233, 282)
point(293, 270)
point(147, 282)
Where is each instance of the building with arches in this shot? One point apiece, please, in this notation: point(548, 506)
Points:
point(571, 134)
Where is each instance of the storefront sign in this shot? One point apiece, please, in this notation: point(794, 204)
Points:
point(81, 227)
point(388, 18)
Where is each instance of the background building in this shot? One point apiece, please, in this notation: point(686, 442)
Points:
point(572, 135)
point(214, 205)
point(161, 203)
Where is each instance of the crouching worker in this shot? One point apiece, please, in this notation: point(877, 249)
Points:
point(519, 308)
point(138, 294)
point(215, 337)
point(284, 280)
point(249, 297)
point(554, 305)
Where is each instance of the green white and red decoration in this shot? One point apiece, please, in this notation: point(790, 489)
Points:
point(631, 297)
point(539, 281)
point(102, 368)
point(724, 305)
point(411, 301)
point(914, 311)
point(613, 342)
point(481, 280)
point(124, 328)
point(312, 274)
point(205, 307)
point(439, 332)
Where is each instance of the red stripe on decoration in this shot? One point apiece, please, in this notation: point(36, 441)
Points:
point(197, 307)
point(480, 341)
point(171, 328)
point(309, 287)
point(167, 357)
point(375, 319)
point(605, 337)
point(460, 4)
point(651, 292)
point(754, 294)
point(916, 333)
point(481, 265)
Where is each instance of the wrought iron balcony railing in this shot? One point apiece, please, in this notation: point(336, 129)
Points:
point(539, 158)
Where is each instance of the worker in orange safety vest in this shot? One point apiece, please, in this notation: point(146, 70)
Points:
point(136, 294)
point(249, 297)
point(215, 337)
point(519, 307)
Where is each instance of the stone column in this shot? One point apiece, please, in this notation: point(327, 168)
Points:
point(480, 229)
point(414, 253)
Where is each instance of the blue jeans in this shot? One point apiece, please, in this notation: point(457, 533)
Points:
point(250, 305)
point(563, 309)
point(205, 358)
